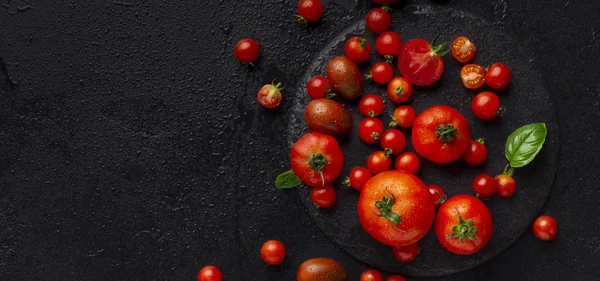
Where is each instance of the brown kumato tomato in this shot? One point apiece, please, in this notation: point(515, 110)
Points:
point(328, 117)
point(345, 77)
point(321, 269)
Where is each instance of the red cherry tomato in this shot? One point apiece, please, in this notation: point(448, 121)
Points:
point(319, 87)
point(210, 273)
point(323, 196)
point(399, 89)
point(370, 130)
point(498, 76)
point(379, 161)
point(484, 186)
point(389, 45)
point(371, 275)
point(463, 50)
point(269, 95)
point(396, 278)
point(437, 194)
point(371, 105)
point(477, 153)
point(246, 50)
point(381, 73)
point(272, 252)
point(357, 178)
point(545, 228)
point(406, 253)
point(506, 186)
point(309, 11)
point(358, 49)
point(485, 105)
point(409, 162)
point(394, 140)
point(421, 63)
point(472, 76)
point(378, 20)
point(404, 116)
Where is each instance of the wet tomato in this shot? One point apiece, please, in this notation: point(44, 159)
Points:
point(477, 152)
point(371, 275)
point(328, 117)
point(485, 105)
point(246, 50)
point(394, 140)
point(345, 77)
point(463, 50)
point(319, 87)
point(381, 73)
point(545, 228)
point(309, 11)
point(421, 63)
point(269, 95)
point(357, 178)
point(498, 76)
point(379, 161)
point(378, 20)
point(484, 186)
point(389, 45)
point(399, 89)
point(316, 159)
point(404, 116)
point(408, 162)
point(472, 76)
point(506, 186)
point(358, 49)
point(272, 252)
point(406, 253)
point(323, 196)
point(370, 130)
point(395, 278)
point(371, 105)
point(438, 195)
point(210, 273)
point(321, 269)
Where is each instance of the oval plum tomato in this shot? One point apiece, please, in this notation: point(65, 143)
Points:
point(323, 196)
point(395, 208)
point(441, 134)
point(370, 130)
point(545, 228)
point(506, 186)
point(309, 11)
point(395, 278)
point(358, 49)
point(316, 159)
point(272, 252)
point(485, 105)
point(246, 50)
point(408, 162)
point(394, 140)
point(477, 152)
point(399, 89)
point(345, 77)
point(328, 117)
point(484, 186)
point(357, 178)
point(498, 76)
point(379, 161)
point(389, 45)
point(371, 275)
point(321, 269)
point(319, 87)
point(406, 253)
point(464, 225)
point(404, 116)
point(371, 105)
point(269, 95)
point(472, 76)
point(438, 195)
point(381, 73)
point(463, 50)
point(210, 273)
point(378, 20)
point(421, 63)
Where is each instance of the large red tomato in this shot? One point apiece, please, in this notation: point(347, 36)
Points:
point(421, 63)
point(316, 159)
point(395, 208)
point(441, 134)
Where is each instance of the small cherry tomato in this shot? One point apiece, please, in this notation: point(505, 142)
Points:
point(371, 275)
point(437, 194)
point(379, 161)
point(498, 76)
point(506, 186)
point(357, 178)
point(309, 11)
point(395, 278)
point(319, 87)
point(272, 252)
point(545, 228)
point(378, 20)
point(484, 186)
point(371, 105)
point(404, 116)
point(406, 253)
point(394, 140)
point(246, 50)
point(486, 105)
point(370, 130)
point(358, 49)
point(472, 76)
point(389, 45)
point(210, 273)
point(463, 50)
point(323, 196)
point(381, 73)
point(269, 95)
point(477, 153)
point(409, 162)
point(399, 89)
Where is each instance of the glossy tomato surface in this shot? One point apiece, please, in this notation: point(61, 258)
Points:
point(316, 159)
point(420, 62)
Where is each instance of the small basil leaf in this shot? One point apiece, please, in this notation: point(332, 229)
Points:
point(287, 180)
point(524, 144)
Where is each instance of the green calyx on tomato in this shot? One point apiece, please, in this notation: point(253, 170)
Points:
point(389, 58)
point(375, 135)
point(464, 229)
point(363, 42)
point(481, 141)
point(437, 50)
point(446, 133)
point(385, 210)
point(388, 152)
point(386, 7)
point(399, 91)
point(318, 162)
point(346, 183)
point(508, 170)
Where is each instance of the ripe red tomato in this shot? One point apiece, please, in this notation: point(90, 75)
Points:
point(395, 208)
point(379, 161)
point(498, 76)
point(269, 95)
point(545, 228)
point(395, 278)
point(389, 45)
point(210, 273)
point(463, 50)
point(323, 196)
point(246, 50)
point(316, 159)
point(506, 186)
point(421, 63)
point(472, 76)
point(381, 73)
point(378, 20)
point(441, 134)
point(319, 87)
point(357, 178)
point(399, 89)
point(477, 152)
point(464, 225)
point(406, 253)
point(370, 130)
point(358, 49)
point(309, 11)
point(409, 162)
point(272, 252)
point(404, 116)
point(371, 275)
point(486, 105)
point(438, 195)
point(394, 140)
point(371, 105)
point(484, 186)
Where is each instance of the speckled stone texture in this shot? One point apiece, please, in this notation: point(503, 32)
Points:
point(132, 146)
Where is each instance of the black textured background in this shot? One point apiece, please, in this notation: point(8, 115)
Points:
point(132, 146)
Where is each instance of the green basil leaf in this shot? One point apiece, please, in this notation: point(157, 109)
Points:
point(287, 180)
point(524, 144)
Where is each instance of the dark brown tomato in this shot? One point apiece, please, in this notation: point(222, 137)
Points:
point(345, 77)
point(321, 269)
point(328, 117)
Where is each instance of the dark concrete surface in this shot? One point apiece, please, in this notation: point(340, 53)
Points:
point(132, 146)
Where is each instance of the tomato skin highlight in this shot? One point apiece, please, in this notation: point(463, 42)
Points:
point(472, 76)
point(378, 20)
point(246, 50)
point(382, 73)
point(210, 273)
point(272, 252)
point(321, 269)
point(406, 253)
point(389, 43)
point(318, 87)
point(399, 89)
point(421, 64)
point(328, 117)
point(269, 96)
point(310, 10)
point(358, 177)
point(345, 77)
point(312, 151)
point(484, 185)
point(545, 228)
point(394, 140)
point(506, 186)
point(485, 105)
point(498, 76)
point(463, 50)
point(371, 275)
point(371, 105)
point(404, 116)
point(378, 162)
point(358, 49)
point(477, 153)
point(370, 130)
point(396, 278)
point(408, 162)
point(323, 196)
